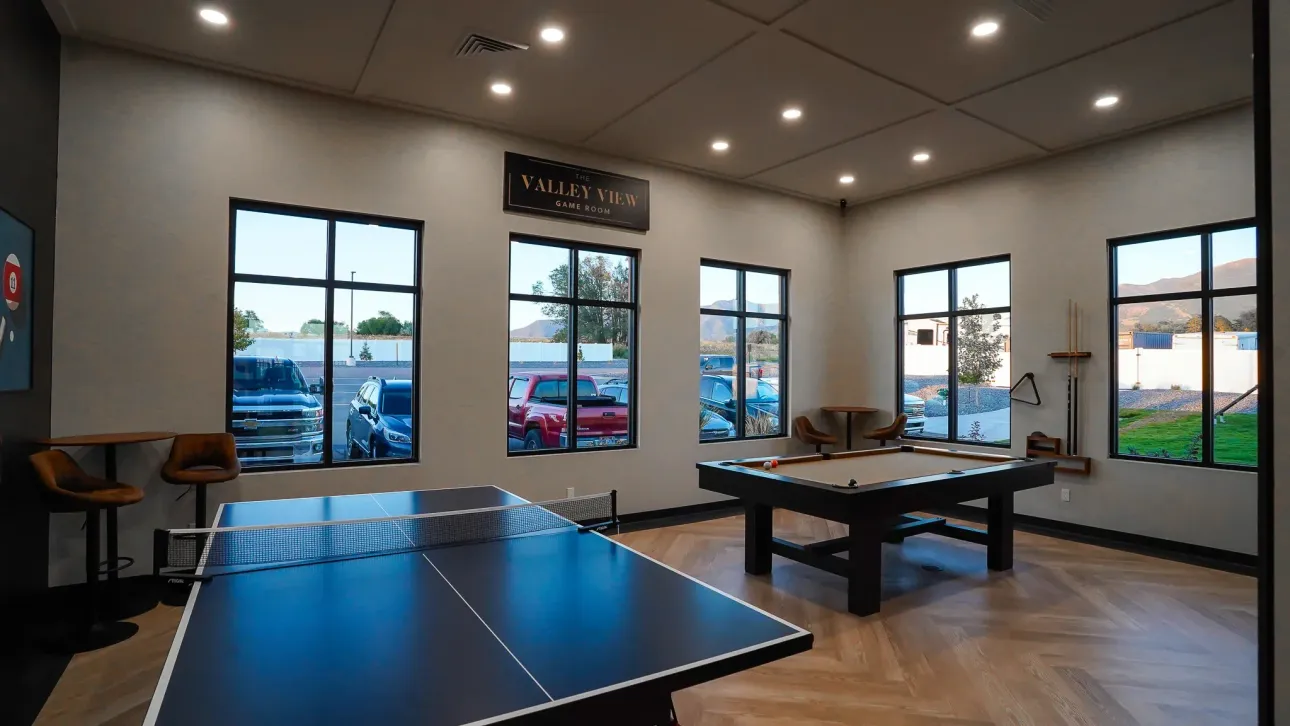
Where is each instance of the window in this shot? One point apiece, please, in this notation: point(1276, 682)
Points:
point(743, 351)
point(323, 332)
point(1184, 321)
point(953, 346)
point(571, 327)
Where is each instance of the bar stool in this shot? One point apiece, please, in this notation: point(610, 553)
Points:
point(812, 436)
point(68, 488)
point(889, 433)
point(198, 460)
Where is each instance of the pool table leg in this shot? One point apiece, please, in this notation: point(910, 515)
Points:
point(757, 537)
point(999, 533)
point(864, 586)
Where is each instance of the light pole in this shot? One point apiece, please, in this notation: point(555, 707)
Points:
point(351, 319)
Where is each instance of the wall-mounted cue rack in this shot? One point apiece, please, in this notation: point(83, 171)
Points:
point(1050, 447)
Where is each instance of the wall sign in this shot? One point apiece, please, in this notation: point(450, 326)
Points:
point(555, 189)
point(16, 242)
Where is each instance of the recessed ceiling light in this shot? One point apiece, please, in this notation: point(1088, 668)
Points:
point(501, 89)
point(1107, 101)
point(552, 34)
point(213, 16)
point(720, 145)
point(791, 113)
point(846, 179)
point(985, 29)
point(922, 157)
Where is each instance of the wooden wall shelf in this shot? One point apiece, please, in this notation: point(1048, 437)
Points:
point(1068, 464)
point(1071, 354)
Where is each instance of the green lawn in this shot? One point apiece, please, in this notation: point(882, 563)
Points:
point(1236, 440)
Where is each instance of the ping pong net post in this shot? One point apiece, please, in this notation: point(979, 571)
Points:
point(201, 553)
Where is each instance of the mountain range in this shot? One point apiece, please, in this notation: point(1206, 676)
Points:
point(1238, 273)
point(711, 327)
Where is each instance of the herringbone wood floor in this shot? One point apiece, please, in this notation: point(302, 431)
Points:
point(1075, 635)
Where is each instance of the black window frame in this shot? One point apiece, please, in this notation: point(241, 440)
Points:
point(574, 302)
point(330, 284)
point(740, 372)
point(952, 314)
point(1205, 295)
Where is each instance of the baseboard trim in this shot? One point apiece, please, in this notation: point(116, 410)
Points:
point(1210, 557)
point(672, 516)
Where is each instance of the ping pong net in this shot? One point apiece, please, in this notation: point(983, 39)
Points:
point(225, 550)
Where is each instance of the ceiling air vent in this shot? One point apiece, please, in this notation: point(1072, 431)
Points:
point(476, 44)
point(1041, 10)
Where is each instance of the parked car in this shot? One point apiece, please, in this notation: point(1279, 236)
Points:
point(717, 364)
point(725, 365)
point(276, 417)
point(915, 409)
point(379, 423)
point(717, 394)
point(715, 428)
point(537, 407)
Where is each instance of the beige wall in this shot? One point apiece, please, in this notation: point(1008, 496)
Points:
point(1054, 218)
point(151, 152)
point(1280, 62)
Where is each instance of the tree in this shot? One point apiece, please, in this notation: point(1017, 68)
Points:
point(365, 353)
point(1247, 321)
point(314, 326)
point(596, 281)
point(980, 344)
point(1222, 324)
point(241, 333)
point(763, 337)
point(383, 324)
point(1194, 325)
point(253, 322)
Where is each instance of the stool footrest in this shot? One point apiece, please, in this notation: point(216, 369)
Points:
point(107, 567)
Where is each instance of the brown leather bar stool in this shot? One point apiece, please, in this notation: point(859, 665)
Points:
point(67, 488)
point(889, 433)
point(198, 460)
point(810, 435)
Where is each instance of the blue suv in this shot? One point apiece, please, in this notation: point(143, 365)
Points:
point(379, 425)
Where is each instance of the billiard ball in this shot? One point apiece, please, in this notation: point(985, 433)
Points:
point(766, 465)
point(774, 463)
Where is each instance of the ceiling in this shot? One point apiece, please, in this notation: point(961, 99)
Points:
point(660, 80)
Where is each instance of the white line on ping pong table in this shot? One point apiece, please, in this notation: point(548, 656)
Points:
point(425, 556)
point(154, 707)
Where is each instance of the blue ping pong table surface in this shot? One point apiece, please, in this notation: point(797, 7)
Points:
point(550, 627)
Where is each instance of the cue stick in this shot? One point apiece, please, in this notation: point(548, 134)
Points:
point(1068, 376)
point(1075, 395)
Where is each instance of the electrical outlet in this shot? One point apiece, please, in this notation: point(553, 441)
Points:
point(1066, 495)
point(568, 493)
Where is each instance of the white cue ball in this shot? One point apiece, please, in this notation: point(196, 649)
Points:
point(766, 465)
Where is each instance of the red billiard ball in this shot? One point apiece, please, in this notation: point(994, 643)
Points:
point(774, 463)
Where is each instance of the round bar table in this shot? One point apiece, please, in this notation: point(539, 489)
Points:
point(849, 412)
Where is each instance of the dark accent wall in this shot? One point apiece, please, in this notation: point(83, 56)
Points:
point(29, 72)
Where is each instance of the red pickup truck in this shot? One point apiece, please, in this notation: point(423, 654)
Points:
point(537, 407)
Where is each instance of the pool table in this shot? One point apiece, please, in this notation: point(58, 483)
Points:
point(873, 492)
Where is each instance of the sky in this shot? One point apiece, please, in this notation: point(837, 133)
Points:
point(1147, 262)
point(928, 292)
point(275, 244)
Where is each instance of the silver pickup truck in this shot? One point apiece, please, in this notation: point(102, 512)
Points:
point(277, 417)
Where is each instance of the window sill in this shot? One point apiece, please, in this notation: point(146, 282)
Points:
point(1185, 464)
point(746, 439)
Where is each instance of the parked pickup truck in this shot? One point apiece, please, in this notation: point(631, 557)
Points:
point(276, 417)
point(537, 408)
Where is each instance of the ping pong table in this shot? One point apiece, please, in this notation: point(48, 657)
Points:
point(560, 625)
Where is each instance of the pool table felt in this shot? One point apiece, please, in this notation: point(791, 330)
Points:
point(882, 468)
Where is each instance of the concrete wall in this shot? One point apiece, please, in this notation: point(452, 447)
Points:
point(1054, 218)
point(150, 153)
point(28, 151)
